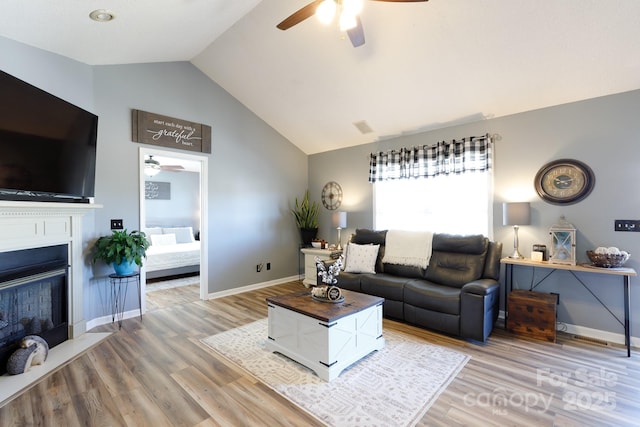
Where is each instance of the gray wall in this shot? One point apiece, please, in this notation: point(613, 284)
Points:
point(254, 172)
point(602, 132)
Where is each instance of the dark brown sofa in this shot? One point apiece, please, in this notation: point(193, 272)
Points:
point(458, 293)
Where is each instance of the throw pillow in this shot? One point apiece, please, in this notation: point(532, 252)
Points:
point(183, 234)
point(361, 258)
point(152, 230)
point(163, 239)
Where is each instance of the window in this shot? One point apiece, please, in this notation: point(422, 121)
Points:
point(444, 188)
point(457, 204)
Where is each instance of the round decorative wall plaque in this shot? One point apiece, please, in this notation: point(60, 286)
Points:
point(331, 195)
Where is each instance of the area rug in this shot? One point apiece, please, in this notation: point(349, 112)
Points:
point(391, 387)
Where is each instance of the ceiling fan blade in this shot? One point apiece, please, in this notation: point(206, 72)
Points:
point(356, 34)
point(173, 168)
point(300, 15)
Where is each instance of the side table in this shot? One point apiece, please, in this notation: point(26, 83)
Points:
point(119, 286)
point(310, 269)
point(625, 273)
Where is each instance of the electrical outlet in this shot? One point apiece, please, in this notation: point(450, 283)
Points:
point(626, 225)
point(259, 267)
point(116, 224)
point(268, 266)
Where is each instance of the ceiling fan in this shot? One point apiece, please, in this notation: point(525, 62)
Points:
point(326, 10)
point(152, 167)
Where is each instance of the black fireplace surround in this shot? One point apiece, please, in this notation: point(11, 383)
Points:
point(33, 297)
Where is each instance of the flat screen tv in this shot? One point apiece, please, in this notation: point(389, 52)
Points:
point(47, 145)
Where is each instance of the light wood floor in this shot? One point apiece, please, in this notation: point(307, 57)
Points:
point(156, 373)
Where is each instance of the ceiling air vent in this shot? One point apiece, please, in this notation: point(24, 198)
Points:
point(363, 127)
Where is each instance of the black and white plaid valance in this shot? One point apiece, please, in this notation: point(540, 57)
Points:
point(472, 154)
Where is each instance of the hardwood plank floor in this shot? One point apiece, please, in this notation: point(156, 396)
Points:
point(156, 373)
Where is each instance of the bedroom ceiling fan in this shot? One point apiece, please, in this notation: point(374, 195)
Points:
point(325, 10)
point(152, 167)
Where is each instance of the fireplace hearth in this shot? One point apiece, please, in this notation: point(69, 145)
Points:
point(33, 297)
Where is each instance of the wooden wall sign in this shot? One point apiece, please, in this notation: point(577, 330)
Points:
point(154, 129)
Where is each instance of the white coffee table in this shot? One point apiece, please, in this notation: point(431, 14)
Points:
point(325, 337)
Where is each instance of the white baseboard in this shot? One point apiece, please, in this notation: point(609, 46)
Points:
point(107, 319)
point(253, 287)
point(597, 334)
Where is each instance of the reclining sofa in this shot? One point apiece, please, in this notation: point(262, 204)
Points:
point(458, 292)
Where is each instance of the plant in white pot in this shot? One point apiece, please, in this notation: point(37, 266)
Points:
point(306, 215)
point(122, 249)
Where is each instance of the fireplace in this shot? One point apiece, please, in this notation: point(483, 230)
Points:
point(32, 225)
point(33, 297)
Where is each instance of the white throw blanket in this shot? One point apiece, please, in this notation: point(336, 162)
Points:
point(408, 248)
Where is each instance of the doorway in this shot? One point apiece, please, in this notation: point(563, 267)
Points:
point(173, 164)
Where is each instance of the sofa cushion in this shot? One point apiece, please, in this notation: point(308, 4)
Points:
point(457, 260)
point(404, 270)
point(364, 236)
point(423, 294)
point(384, 285)
point(472, 244)
point(361, 258)
point(349, 281)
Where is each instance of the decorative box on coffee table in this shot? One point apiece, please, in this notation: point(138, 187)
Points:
point(532, 314)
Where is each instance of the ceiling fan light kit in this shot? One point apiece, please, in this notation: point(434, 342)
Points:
point(349, 9)
point(151, 166)
point(347, 22)
point(325, 11)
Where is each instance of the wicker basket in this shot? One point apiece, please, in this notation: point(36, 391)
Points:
point(607, 260)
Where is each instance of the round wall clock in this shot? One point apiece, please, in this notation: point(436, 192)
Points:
point(564, 181)
point(331, 195)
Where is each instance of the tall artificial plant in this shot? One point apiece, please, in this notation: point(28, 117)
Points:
point(306, 213)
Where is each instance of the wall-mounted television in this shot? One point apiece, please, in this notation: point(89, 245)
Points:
point(47, 145)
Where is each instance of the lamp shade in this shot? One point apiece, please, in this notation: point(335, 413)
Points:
point(339, 219)
point(517, 213)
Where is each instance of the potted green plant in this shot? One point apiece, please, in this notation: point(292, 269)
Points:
point(122, 249)
point(306, 215)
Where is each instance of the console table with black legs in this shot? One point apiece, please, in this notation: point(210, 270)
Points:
point(119, 286)
point(625, 273)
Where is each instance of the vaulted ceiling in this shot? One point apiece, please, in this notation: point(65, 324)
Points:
point(424, 64)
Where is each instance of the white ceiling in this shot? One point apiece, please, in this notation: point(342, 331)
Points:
point(424, 65)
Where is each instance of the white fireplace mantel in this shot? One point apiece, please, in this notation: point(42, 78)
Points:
point(25, 225)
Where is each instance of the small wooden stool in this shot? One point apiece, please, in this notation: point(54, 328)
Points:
point(532, 314)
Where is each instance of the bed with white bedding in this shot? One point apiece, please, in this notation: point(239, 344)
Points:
point(173, 251)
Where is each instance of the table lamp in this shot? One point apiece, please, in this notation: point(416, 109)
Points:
point(339, 222)
point(516, 214)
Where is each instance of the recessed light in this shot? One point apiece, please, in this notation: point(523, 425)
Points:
point(102, 15)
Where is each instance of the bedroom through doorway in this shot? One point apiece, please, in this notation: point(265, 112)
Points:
point(172, 205)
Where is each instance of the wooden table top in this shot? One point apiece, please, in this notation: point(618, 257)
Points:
point(585, 268)
point(328, 312)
